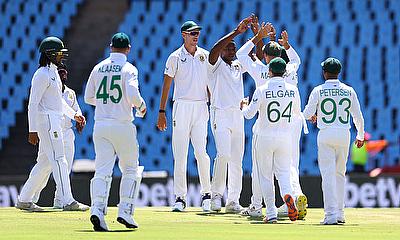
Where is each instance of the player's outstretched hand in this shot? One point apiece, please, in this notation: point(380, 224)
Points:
point(284, 40)
point(255, 25)
point(33, 138)
point(272, 33)
point(162, 121)
point(264, 30)
point(244, 25)
point(359, 143)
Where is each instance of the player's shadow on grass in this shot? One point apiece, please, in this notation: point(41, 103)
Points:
point(337, 225)
point(213, 214)
point(109, 231)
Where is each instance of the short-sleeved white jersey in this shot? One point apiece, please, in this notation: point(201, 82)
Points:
point(334, 102)
point(113, 87)
point(189, 73)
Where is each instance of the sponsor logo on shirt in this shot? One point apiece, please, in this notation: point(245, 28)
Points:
point(183, 60)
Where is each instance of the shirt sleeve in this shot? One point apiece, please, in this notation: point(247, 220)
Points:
point(311, 107)
point(75, 105)
point(40, 82)
point(90, 97)
point(358, 118)
point(294, 60)
point(252, 67)
point(251, 110)
point(132, 89)
point(171, 66)
point(67, 110)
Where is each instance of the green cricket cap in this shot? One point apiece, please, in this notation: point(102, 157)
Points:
point(120, 40)
point(277, 65)
point(272, 49)
point(331, 65)
point(190, 26)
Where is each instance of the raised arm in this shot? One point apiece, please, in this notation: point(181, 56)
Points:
point(294, 59)
point(223, 42)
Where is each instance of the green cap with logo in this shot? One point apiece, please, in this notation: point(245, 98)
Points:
point(189, 26)
point(120, 40)
point(272, 49)
point(277, 65)
point(331, 65)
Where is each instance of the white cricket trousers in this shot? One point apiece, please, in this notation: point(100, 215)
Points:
point(228, 129)
point(189, 122)
point(256, 198)
point(69, 150)
point(333, 151)
point(273, 157)
point(111, 139)
point(51, 157)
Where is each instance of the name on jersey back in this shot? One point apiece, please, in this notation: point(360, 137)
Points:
point(110, 68)
point(334, 92)
point(279, 93)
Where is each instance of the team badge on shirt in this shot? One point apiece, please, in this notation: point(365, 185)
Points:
point(55, 134)
point(202, 58)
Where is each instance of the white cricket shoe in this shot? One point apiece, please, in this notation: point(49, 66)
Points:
point(329, 221)
point(216, 202)
point(58, 204)
point(270, 221)
point(206, 202)
point(179, 205)
point(28, 206)
point(76, 206)
point(282, 211)
point(252, 211)
point(97, 219)
point(125, 217)
point(233, 207)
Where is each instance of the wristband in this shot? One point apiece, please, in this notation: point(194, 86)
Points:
point(161, 111)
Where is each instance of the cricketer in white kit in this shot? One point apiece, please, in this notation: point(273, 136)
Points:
point(113, 88)
point(259, 72)
point(227, 123)
point(333, 102)
point(277, 103)
point(69, 97)
point(188, 66)
point(46, 110)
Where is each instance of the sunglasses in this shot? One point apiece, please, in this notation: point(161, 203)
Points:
point(194, 33)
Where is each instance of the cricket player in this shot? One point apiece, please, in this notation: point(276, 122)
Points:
point(259, 73)
point(226, 85)
point(334, 102)
point(277, 103)
point(69, 97)
point(46, 110)
point(188, 66)
point(113, 88)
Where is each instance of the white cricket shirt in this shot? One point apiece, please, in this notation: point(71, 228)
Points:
point(113, 87)
point(278, 103)
point(189, 73)
point(226, 84)
point(46, 97)
point(334, 102)
point(69, 97)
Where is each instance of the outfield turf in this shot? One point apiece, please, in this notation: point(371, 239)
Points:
point(160, 223)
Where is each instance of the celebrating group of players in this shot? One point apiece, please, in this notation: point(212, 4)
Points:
point(217, 76)
point(199, 77)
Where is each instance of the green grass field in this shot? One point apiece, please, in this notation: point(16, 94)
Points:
point(160, 223)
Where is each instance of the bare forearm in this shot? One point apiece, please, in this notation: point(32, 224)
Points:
point(220, 45)
point(165, 91)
